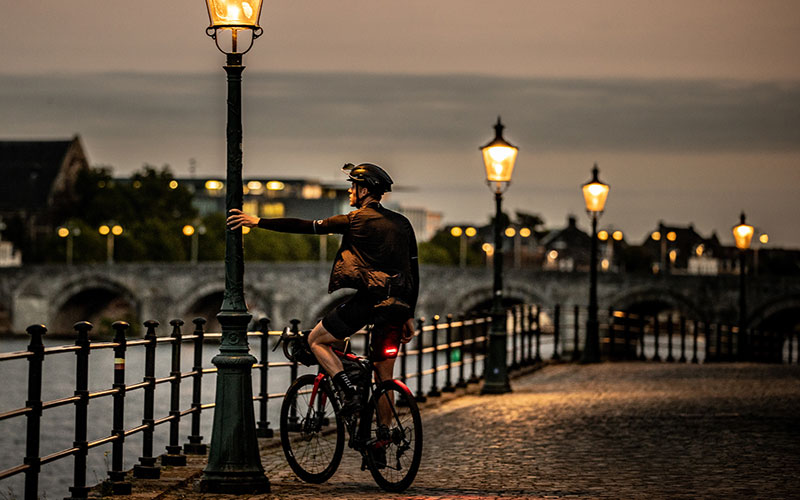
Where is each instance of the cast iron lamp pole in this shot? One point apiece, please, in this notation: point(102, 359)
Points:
point(743, 235)
point(234, 463)
point(499, 157)
point(594, 194)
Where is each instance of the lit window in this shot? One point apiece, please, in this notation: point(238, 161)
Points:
point(272, 210)
point(312, 191)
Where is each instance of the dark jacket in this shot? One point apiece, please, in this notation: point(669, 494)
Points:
point(378, 253)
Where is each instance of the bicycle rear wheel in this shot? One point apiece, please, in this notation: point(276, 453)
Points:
point(312, 434)
point(394, 442)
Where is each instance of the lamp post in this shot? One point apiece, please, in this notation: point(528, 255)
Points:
point(68, 234)
point(499, 157)
point(110, 232)
point(234, 464)
point(194, 233)
point(743, 235)
point(594, 194)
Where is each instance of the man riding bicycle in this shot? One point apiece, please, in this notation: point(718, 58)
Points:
point(378, 258)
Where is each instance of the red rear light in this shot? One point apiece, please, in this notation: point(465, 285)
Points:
point(390, 351)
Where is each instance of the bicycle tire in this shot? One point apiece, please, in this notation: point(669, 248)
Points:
point(403, 451)
point(312, 439)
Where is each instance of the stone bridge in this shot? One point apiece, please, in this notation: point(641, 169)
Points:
point(58, 296)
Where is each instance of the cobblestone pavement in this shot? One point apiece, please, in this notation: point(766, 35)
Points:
point(627, 430)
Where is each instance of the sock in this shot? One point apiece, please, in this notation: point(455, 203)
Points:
point(344, 384)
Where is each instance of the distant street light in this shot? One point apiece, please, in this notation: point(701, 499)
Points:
point(234, 464)
point(68, 234)
point(499, 157)
point(743, 235)
point(463, 235)
point(110, 232)
point(194, 233)
point(594, 195)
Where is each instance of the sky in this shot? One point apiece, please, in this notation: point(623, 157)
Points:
point(690, 109)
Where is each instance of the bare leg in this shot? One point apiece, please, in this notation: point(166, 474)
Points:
point(320, 341)
point(385, 371)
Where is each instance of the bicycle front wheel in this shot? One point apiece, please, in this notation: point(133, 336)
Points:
point(393, 436)
point(312, 434)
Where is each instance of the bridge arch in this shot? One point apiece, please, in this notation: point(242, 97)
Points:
point(780, 315)
point(205, 300)
point(653, 300)
point(480, 299)
point(97, 299)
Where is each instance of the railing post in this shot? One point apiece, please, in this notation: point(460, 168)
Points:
point(403, 362)
point(707, 332)
point(696, 326)
point(537, 317)
point(626, 332)
point(656, 331)
point(670, 332)
point(529, 332)
point(718, 345)
point(295, 330)
point(117, 474)
point(788, 339)
point(195, 446)
point(556, 332)
point(731, 357)
point(473, 349)
point(462, 382)
point(34, 417)
point(147, 468)
point(434, 390)
point(79, 489)
point(612, 334)
point(576, 352)
point(262, 426)
point(174, 455)
point(420, 396)
point(514, 329)
point(642, 322)
point(448, 384)
point(682, 359)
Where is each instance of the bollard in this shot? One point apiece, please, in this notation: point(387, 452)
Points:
point(434, 390)
point(576, 352)
point(420, 396)
point(461, 381)
point(696, 326)
point(117, 474)
point(147, 468)
point(195, 445)
point(262, 426)
point(79, 489)
point(683, 340)
point(174, 455)
point(34, 417)
point(656, 331)
point(448, 384)
point(670, 358)
point(556, 332)
point(537, 316)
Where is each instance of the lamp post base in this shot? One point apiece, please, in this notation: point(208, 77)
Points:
point(234, 463)
point(496, 372)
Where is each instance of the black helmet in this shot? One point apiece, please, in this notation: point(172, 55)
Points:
point(370, 175)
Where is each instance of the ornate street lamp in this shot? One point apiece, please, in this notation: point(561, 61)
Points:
point(743, 235)
point(594, 194)
point(499, 157)
point(234, 464)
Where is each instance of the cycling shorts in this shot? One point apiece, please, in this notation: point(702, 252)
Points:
point(358, 311)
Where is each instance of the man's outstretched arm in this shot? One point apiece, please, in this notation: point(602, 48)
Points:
point(335, 224)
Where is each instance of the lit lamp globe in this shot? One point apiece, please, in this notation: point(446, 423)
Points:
point(595, 193)
point(233, 16)
point(499, 157)
point(743, 234)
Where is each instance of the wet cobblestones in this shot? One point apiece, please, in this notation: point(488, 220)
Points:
point(628, 430)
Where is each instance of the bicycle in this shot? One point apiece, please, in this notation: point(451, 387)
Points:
point(387, 431)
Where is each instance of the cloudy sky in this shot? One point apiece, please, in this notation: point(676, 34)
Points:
point(691, 109)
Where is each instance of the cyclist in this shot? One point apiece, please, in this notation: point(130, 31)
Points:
point(378, 258)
